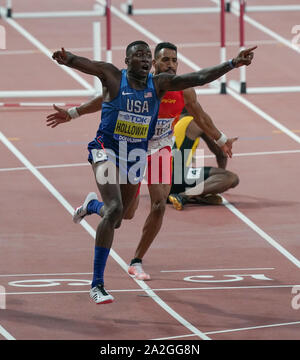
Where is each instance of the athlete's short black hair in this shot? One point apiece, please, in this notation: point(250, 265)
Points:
point(164, 45)
point(137, 42)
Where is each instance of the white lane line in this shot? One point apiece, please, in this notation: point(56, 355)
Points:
point(264, 115)
point(214, 288)
point(45, 51)
point(254, 327)
point(48, 166)
point(92, 232)
point(233, 330)
point(261, 233)
point(6, 334)
point(260, 153)
point(206, 270)
point(89, 273)
point(36, 173)
point(55, 274)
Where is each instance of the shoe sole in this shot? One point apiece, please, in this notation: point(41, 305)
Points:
point(105, 302)
point(147, 278)
point(176, 204)
point(144, 279)
point(90, 196)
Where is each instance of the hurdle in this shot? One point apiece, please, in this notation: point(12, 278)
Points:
point(239, 8)
point(88, 91)
point(129, 9)
point(223, 6)
point(98, 11)
point(265, 8)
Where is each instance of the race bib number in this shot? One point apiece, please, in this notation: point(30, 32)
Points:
point(131, 127)
point(163, 128)
point(98, 155)
point(194, 173)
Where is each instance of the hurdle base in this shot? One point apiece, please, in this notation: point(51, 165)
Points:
point(243, 89)
point(223, 88)
point(237, 86)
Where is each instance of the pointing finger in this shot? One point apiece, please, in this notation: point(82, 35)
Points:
point(247, 51)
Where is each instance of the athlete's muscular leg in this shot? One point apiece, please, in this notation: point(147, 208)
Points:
point(130, 200)
point(129, 213)
point(158, 195)
point(111, 196)
point(218, 181)
point(117, 199)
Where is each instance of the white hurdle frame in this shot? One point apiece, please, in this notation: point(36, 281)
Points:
point(266, 8)
point(89, 90)
point(98, 11)
point(231, 6)
point(130, 10)
point(239, 8)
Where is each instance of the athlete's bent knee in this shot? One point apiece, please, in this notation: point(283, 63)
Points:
point(159, 207)
point(113, 213)
point(234, 180)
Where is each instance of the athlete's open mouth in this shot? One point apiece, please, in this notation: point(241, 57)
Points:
point(146, 67)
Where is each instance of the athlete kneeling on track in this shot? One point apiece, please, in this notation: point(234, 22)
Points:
point(197, 185)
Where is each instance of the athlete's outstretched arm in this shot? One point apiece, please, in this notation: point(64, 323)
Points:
point(167, 82)
point(96, 68)
point(61, 115)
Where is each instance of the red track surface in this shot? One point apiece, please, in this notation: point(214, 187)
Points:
point(39, 241)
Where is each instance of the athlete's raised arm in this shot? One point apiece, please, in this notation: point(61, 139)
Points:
point(109, 74)
point(167, 82)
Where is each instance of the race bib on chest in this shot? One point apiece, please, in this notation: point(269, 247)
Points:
point(163, 128)
point(131, 127)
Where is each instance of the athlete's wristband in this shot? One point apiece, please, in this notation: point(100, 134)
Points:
point(230, 62)
point(73, 112)
point(222, 140)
